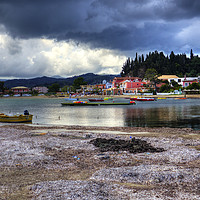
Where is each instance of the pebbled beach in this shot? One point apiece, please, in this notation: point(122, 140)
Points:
point(60, 162)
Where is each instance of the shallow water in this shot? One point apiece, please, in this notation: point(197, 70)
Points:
point(161, 113)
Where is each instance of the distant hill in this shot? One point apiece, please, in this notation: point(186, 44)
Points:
point(90, 78)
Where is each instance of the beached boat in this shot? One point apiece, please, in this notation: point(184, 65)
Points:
point(26, 117)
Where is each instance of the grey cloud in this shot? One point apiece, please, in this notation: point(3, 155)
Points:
point(113, 24)
point(13, 47)
point(155, 35)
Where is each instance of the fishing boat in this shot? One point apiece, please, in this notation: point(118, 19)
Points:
point(23, 118)
point(180, 98)
point(79, 102)
point(134, 98)
point(142, 99)
point(108, 98)
point(97, 103)
point(145, 99)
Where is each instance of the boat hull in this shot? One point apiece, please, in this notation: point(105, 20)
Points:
point(16, 118)
point(145, 99)
point(96, 104)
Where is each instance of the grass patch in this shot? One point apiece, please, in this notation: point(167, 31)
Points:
point(136, 186)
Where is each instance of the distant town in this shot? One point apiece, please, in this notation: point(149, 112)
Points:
point(160, 85)
point(152, 74)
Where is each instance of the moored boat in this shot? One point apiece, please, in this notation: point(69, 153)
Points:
point(108, 98)
point(142, 99)
point(97, 103)
point(145, 99)
point(133, 98)
point(79, 102)
point(15, 118)
point(180, 98)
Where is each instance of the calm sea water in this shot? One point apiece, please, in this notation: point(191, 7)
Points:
point(161, 113)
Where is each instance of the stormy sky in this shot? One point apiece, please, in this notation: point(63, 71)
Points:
point(73, 37)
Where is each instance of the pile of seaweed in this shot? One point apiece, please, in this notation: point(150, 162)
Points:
point(133, 146)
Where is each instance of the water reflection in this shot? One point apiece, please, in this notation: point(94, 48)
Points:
point(169, 116)
point(166, 113)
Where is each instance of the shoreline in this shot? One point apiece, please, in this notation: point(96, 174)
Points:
point(48, 162)
point(189, 96)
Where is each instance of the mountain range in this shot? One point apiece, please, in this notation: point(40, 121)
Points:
point(90, 78)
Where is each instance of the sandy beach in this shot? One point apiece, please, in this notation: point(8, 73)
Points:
point(60, 162)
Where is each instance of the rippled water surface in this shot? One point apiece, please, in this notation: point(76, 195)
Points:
point(160, 113)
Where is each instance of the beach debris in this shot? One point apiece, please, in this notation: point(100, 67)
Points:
point(103, 156)
point(133, 146)
point(76, 157)
point(38, 134)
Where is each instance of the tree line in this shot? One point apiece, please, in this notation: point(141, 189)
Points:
point(178, 64)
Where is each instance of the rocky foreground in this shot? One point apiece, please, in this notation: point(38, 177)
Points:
point(70, 162)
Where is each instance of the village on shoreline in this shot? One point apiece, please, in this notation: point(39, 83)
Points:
point(168, 85)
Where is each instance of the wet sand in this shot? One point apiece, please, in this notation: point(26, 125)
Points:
point(60, 162)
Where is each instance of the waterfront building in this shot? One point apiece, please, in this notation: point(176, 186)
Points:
point(19, 90)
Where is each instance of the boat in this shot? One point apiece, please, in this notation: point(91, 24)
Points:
point(145, 99)
point(108, 98)
point(96, 100)
point(23, 118)
point(142, 99)
point(181, 98)
point(97, 103)
point(79, 102)
point(134, 98)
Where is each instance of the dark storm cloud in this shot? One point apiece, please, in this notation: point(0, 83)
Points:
point(113, 24)
point(130, 37)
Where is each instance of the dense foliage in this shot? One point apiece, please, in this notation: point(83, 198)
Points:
point(179, 64)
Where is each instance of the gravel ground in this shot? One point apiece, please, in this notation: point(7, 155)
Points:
point(60, 163)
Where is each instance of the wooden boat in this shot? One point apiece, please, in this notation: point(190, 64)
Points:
point(95, 100)
point(108, 98)
point(79, 102)
point(15, 118)
point(145, 99)
point(134, 98)
point(181, 98)
point(142, 99)
point(98, 103)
